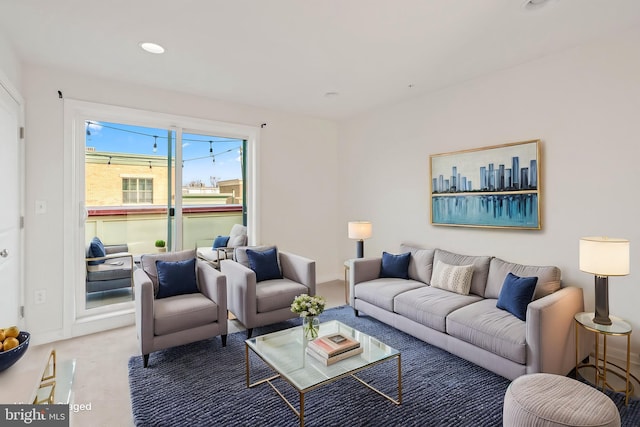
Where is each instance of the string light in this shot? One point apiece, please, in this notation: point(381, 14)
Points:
point(155, 139)
point(155, 136)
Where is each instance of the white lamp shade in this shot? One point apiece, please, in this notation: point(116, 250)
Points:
point(604, 256)
point(360, 230)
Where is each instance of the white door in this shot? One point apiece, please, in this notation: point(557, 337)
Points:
point(10, 189)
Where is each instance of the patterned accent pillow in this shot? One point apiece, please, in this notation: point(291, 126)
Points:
point(453, 278)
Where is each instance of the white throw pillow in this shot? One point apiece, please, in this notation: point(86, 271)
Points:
point(453, 278)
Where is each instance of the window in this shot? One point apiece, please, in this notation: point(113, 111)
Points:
point(137, 190)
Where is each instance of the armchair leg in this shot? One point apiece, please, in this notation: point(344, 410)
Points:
point(145, 360)
point(224, 340)
point(249, 332)
point(356, 312)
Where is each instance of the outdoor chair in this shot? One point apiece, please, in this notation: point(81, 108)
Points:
point(108, 267)
point(223, 247)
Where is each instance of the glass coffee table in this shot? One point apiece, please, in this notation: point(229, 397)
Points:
point(284, 352)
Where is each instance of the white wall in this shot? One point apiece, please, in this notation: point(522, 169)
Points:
point(584, 104)
point(298, 177)
point(9, 64)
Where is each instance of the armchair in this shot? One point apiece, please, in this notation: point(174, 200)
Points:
point(258, 303)
point(213, 253)
point(108, 267)
point(165, 320)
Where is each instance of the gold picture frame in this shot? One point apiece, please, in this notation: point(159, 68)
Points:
point(492, 187)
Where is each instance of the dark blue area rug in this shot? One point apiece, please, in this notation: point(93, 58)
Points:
point(203, 384)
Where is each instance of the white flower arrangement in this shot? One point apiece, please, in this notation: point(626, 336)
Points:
point(306, 305)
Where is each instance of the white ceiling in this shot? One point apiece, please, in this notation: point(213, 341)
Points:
point(286, 54)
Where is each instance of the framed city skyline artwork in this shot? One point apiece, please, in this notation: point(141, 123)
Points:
point(495, 187)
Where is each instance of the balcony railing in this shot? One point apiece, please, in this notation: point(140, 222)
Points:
point(140, 227)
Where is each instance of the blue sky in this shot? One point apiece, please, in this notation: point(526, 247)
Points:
point(198, 160)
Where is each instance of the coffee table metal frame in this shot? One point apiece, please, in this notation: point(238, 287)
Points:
point(374, 353)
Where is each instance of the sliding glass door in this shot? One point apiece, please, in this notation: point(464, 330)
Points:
point(129, 196)
point(212, 187)
point(139, 179)
point(139, 202)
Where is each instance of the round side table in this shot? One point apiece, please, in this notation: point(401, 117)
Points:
point(618, 327)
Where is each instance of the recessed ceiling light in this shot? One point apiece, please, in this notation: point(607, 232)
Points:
point(152, 47)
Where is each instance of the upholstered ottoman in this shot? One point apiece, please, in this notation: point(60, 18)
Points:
point(545, 400)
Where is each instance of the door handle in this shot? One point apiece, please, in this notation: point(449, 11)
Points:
point(4, 253)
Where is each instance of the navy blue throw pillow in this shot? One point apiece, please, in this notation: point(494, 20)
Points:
point(176, 278)
point(96, 249)
point(516, 294)
point(264, 264)
point(220, 242)
point(395, 266)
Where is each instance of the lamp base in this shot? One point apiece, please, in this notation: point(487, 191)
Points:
point(602, 301)
point(360, 249)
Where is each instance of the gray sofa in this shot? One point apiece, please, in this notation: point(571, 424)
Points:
point(471, 326)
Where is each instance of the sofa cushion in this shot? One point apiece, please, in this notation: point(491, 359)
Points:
point(114, 249)
point(183, 312)
point(264, 264)
point(176, 278)
point(237, 236)
point(148, 263)
point(113, 268)
point(276, 294)
point(207, 254)
point(516, 294)
point(220, 242)
point(395, 266)
point(430, 306)
point(96, 250)
point(548, 277)
point(241, 253)
point(381, 292)
point(108, 285)
point(480, 267)
point(453, 278)
point(420, 263)
point(486, 326)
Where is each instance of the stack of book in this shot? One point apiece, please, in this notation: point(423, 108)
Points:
point(332, 348)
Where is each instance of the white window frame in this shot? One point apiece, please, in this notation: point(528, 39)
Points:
point(78, 321)
point(138, 192)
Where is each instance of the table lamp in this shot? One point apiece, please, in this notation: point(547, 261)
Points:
point(604, 257)
point(360, 230)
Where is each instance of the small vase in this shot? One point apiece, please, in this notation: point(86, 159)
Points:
point(310, 327)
